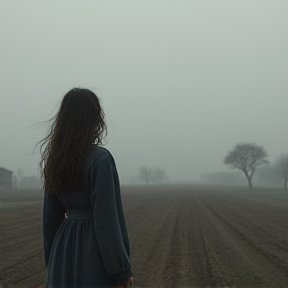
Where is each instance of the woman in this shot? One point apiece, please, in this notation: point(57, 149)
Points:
point(85, 237)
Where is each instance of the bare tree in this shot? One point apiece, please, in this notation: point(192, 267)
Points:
point(246, 157)
point(282, 168)
point(146, 174)
point(159, 175)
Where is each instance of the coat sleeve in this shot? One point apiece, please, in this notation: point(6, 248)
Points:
point(109, 221)
point(52, 216)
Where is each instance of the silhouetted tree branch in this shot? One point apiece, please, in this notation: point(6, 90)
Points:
point(246, 157)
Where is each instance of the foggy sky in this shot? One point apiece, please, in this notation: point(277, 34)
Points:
point(181, 82)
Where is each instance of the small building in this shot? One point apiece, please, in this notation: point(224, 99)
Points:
point(5, 177)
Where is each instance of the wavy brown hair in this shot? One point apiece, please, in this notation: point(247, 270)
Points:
point(79, 123)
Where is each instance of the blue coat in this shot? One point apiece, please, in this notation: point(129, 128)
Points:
point(90, 249)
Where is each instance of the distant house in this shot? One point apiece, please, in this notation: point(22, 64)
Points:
point(5, 177)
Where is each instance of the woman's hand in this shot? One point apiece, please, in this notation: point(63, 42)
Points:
point(128, 283)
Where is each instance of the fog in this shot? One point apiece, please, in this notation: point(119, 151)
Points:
point(180, 82)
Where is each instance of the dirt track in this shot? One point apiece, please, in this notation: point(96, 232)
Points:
point(181, 236)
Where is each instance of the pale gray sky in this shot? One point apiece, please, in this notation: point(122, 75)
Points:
point(181, 82)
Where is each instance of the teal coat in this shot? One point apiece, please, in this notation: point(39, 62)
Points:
point(89, 251)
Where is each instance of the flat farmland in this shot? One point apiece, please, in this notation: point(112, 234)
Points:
point(181, 236)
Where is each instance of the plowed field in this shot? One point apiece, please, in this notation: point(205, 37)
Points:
point(181, 236)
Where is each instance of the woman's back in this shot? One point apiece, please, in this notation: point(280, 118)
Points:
point(80, 198)
point(90, 247)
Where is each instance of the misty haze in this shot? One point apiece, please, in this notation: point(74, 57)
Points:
point(195, 95)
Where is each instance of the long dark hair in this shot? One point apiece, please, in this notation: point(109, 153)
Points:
point(78, 125)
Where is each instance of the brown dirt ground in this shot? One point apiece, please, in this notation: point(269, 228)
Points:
point(180, 236)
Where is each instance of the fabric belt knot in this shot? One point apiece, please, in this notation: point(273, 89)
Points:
point(79, 214)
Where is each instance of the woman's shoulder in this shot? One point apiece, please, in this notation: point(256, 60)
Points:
point(99, 153)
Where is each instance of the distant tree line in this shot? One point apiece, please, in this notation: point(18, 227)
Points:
point(153, 176)
point(248, 157)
